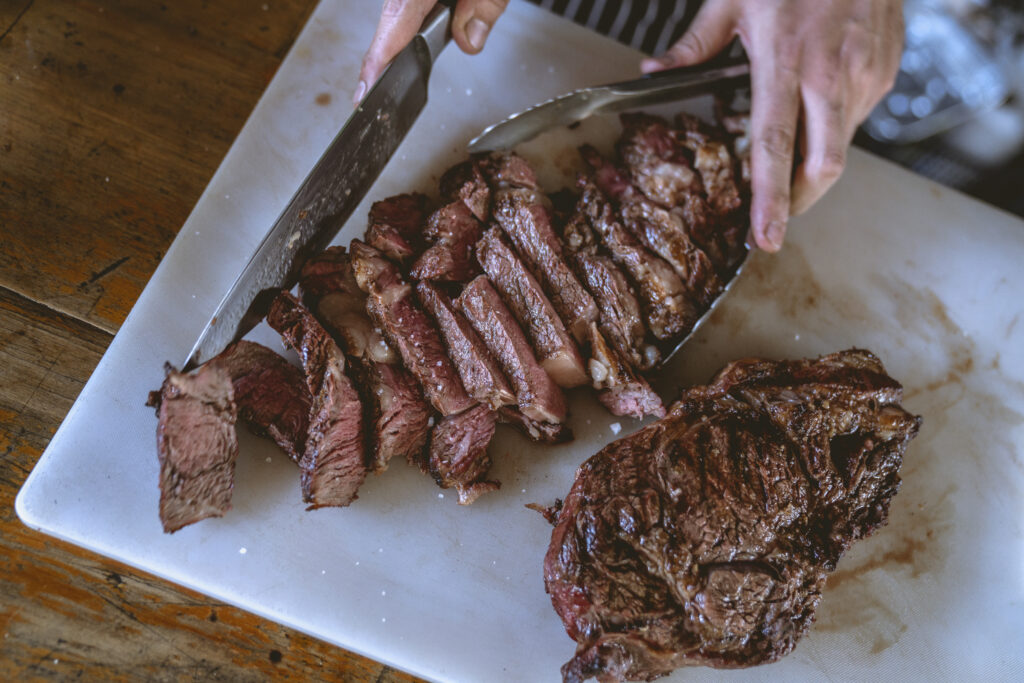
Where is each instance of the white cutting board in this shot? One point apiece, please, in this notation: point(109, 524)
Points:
point(929, 280)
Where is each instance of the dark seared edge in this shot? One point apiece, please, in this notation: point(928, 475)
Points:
point(706, 538)
point(396, 226)
point(466, 182)
point(333, 464)
point(453, 231)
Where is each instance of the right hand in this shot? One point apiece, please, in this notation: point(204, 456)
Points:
point(401, 19)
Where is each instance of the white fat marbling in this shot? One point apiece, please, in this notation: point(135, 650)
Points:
point(929, 280)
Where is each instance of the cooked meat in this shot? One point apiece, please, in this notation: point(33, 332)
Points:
point(535, 430)
point(527, 224)
point(270, 393)
point(622, 391)
point(657, 164)
point(465, 182)
point(408, 329)
point(196, 444)
point(453, 230)
point(396, 415)
point(458, 453)
point(507, 170)
point(396, 225)
point(707, 537)
point(556, 350)
point(330, 291)
point(668, 313)
point(480, 372)
point(620, 318)
point(333, 464)
point(537, 395)
point(715, 164)
point(664, 233)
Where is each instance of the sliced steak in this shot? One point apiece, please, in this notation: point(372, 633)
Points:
point(458, 453)
point(480, 372)
point(535, 430)
point(707, 537)
point(622, 391)
point(408, 329)
point(196, 444)
point(270, 393)
point(396, 415)
point(620, 317)
point(527, 224)
point(668, 312)
point(465, 182)
point(656, 162)
point(537, 395)
point(556, 350)
point(333, 464)
point(506, 170)
point(454, 231)
point(396, 225)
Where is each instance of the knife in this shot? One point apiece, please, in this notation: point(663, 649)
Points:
point(655, 88)
point(331, 191)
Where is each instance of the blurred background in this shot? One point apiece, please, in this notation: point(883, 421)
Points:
point(956, 113)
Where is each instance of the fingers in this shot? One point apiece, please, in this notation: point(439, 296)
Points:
point(399, 22)
point(775, 106)
point(827, 135)
point(711, 30)
point(473, 22)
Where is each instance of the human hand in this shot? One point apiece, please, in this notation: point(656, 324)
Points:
point(401, 19)
point(822, 64)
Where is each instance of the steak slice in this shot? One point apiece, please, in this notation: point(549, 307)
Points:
point(396, 225)
point(506, 170)
point(408, 329)
point(480, 372)
point(396, 415)
point(556, 350)
point(458, 453)
point(270, 393)
point(620, 317)
point(535, 430)
point(656, 162)
point(622, 391)
point(537, 395)
point(465, 182)
point(668, 312)
point(453, 230)
point(527, 224)
point(333, 463)
point(707, 537)
point(197, 445)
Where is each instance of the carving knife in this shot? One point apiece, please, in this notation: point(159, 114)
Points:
point(655, 88)
point(331, 191)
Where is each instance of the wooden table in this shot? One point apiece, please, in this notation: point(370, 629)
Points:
point(113, 117)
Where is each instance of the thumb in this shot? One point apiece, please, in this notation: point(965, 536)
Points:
point(711, 31)
point(473, 21)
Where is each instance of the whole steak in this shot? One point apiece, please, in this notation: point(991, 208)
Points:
point(706, 537)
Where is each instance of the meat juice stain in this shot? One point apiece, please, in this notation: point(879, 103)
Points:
point(323, 99)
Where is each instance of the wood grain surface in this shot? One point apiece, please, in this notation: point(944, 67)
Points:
point(114, 116)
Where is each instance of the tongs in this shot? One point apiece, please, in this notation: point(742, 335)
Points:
point(656, 88)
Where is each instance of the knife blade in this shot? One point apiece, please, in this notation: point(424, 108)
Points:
point(655, 88)
point(332, 190)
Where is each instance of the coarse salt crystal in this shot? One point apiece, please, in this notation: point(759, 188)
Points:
point(440, 495)
point(242, 551)
point(615, 427)
point(269, 459)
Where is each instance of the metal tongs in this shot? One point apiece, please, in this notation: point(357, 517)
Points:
point(656, 88)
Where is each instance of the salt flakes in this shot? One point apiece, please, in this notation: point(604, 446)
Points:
point(242, 551)
point(615, 427)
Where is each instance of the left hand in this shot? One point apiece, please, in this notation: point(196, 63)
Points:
point(822, 63)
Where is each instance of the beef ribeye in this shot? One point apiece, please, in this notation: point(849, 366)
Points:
point(396, 225)
point(707, 537)
point(196, 444)
point(458, 453)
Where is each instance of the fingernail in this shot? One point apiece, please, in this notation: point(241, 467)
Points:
point(360, 91)
point(656, 63)
point(774, 234)
point(476, 32)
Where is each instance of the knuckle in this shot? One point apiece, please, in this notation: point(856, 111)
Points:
point(691, 44)
point(830, 166)
point(776, 140)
